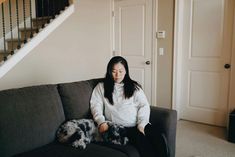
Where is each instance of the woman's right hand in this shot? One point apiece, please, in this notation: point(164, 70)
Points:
point(103, 127)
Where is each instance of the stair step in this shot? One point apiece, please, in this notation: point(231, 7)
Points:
point(40, 21)
point(14, 40)
point(27, 32)
point(4, 54)
point(28, 29)
point(43, 18)
point(1, 57)
point(12, 44)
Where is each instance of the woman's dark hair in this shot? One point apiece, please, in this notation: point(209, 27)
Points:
point(130, 86)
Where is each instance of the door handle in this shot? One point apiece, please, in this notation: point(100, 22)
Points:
point(227, 66)
point(147, 62)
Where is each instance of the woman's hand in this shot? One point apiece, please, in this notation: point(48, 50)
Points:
point(141, 129)
point(103, 127)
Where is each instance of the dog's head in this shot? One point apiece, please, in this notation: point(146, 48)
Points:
point(116, 134)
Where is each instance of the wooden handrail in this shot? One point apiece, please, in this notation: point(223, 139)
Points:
point(1, 1)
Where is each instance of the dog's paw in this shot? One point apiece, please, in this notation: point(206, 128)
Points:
point(87, 140)
point(79, 144)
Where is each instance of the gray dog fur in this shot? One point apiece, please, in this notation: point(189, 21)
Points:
point(79, 133)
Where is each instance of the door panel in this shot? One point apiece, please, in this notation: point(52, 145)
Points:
point(138, 74)
point(197, 96)
point(208, 18)
point(133, 38)
point(132, 30)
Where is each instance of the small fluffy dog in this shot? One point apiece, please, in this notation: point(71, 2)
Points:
point(81, 132)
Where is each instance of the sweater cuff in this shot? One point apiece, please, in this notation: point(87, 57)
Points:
point(100, 121)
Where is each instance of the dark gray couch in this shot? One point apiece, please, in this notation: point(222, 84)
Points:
point(30, 116)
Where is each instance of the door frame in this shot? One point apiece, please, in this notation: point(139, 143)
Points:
point(153, 47)
point(177, 48)
point(177, 53)
point(232, 75)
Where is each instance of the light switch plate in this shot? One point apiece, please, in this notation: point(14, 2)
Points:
point(161, 51)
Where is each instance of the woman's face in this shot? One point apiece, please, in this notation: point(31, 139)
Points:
point(118, 72)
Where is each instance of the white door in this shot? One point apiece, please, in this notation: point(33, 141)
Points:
point(133, 38)
point(206, 48)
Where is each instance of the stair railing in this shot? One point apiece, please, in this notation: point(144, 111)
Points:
point(4, 31)
point(18, 24)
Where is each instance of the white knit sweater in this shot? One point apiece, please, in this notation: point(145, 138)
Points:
point(127, 112)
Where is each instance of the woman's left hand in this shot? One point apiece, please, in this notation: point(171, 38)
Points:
point(103, 127)
point(141, 129)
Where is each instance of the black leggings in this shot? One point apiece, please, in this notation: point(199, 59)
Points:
point(152, 144)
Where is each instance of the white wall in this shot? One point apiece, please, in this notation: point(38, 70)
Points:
point(79, 49)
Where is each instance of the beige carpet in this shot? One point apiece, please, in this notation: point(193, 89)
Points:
point(200, 140)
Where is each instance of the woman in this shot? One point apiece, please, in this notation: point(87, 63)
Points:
point(121, 100)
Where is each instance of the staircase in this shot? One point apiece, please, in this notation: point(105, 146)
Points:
point(25, 35)
point(40, 19)
point(25, 27)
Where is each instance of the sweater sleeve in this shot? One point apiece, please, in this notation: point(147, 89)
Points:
point(143, 109)
point(97, 105)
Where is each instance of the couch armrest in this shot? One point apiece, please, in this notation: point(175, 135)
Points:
point(165, 120)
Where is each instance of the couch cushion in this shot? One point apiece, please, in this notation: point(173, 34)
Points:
point(75, 97)
point(59, 150)
point(128, 149)
point(29, 118)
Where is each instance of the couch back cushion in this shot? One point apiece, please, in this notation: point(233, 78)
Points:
point(29, 118)
point(75, 97)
